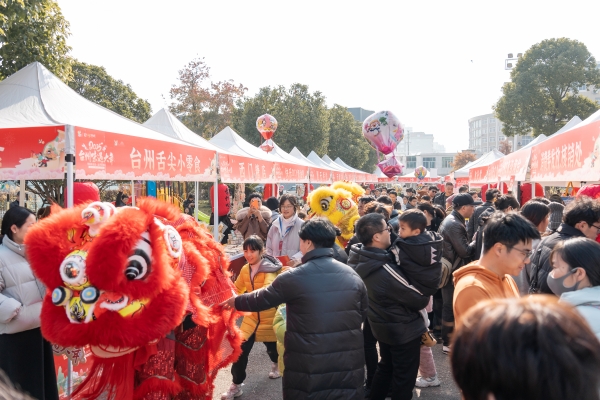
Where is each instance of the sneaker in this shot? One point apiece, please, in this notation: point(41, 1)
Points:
point(234, 391)
point(446, 349)
point(427, 382)
point(274, 374)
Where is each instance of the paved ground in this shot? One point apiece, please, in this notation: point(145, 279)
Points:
point(258, 386)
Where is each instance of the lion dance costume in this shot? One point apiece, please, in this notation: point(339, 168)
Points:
point(137, 285)
point(337, 203)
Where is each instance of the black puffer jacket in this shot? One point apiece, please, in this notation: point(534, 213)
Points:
point(475, 220)
point(394, 303)
point(540, 266)
point(326, 306)
point(456, 244)
point(420, 258)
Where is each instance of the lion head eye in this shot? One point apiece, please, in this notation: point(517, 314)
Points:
point(138, 264)
point(325, 203)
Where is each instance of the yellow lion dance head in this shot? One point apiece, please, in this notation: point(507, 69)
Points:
point(352, 187)
point(337, 206)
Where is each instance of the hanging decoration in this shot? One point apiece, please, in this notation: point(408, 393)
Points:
point(420, 173)
point(267, 125)
point(383, 131)
point(391, 167)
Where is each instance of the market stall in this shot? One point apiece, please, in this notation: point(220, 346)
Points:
point(461, 175)
point(318, 174)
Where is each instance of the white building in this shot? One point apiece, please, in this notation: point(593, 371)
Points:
point(436, 163)
point(485, 134)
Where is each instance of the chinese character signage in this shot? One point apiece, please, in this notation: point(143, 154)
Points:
point(105, 155)
point(32, 153)
point(319, 175)
point(478, 175)
point(570, 156)
point(236, 169)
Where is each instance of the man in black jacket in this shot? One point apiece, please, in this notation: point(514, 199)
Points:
point(458, 251)
point(474, 221)
point(394, 306)
point(581, 218)
point(326, 306)
point(440, 198)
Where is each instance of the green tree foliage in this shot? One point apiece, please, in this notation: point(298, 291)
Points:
point(462, 159)
point(202, 105)
point(542, 95)
point(304, 121)
point(346, 140)
point(33, 30)
point(96, 85)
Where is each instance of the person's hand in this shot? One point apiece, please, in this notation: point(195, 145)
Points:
point(228, 304)
point(294, 263)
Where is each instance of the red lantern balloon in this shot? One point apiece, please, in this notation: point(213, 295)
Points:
point(266, 125)
point(268, 145)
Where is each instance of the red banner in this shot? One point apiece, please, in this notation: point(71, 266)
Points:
point(337, 176)
point(105, 155)
point(478, 175)
point(512, 165)
point(238, 169)
point(570, 156)
point(319, 175)
point(32, 153)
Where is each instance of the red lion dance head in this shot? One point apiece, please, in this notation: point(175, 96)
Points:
point(137, 285)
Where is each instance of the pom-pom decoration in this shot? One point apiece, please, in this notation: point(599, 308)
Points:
point(391, 167)
point(420, 173)
point(383, 131)
point(266, 125)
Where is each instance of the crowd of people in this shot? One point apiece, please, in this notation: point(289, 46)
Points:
point(497, 284)
point(510, 292)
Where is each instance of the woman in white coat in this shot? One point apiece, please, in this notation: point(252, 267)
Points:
point(575, 277)
point(25, 356)
point(283, 239)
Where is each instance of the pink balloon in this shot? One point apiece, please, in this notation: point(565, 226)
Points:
point(383, 131)
point(266, 125)
point(391, 167)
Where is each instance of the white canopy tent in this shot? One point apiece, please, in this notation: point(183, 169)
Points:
point(482, 161)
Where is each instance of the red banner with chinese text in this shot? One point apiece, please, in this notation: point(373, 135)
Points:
point(512, 165)
point(337, 176)
point(238, 169)
point(570, 156)
point(478, 175)
point(319, 175)
point(106, 155)
point(32, 153)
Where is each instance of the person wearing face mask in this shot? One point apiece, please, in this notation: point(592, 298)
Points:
point(25, 356)
point(260, 272)
point(575, 277)
point(326, 304)
point(538, 214)
point(506, 248)
point(283, 239)
point(581, 219)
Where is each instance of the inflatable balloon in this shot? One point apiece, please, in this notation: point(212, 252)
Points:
point(383, 131)
point(268, 145)
point(592, 191)
point(420, 173)
point(266, 125)
point(526, 194)
point(391, 167)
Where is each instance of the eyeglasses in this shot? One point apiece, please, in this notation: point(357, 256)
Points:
point(526, 253)
point(287, 207)
point(597, 227)
point(388, 228)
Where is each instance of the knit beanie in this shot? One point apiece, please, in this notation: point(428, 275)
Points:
point(556, 215)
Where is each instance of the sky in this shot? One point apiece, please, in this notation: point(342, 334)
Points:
point(434, 64)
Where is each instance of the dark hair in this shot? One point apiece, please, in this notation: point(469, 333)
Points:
point(392, 192)
point(366, 199)
point(463, 189)
point(367, 226)
point(535, 211)
point(525, 349)
point(253, 195)
point(191, 195)
point(508, 229)
point(272, 203)
point(378, 208)
point(414, 218)
point(411, 198)
point(301, 214)
point(541, 200)
point(449, 184)
point(320, 231)
point(581, 252)
point(433, 187)
point(385, 200)
point(555, 198)
point(490, 194)
point(43, 212)
point(473, 192)
point(253, 242)
point(15, 215)
point(411, 190)
point(288, 197)
point(503, 202)
point(582, 209)
point(426, 197)
point(433, 209)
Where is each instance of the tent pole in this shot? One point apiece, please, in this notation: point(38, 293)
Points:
point(196, 201)
point(132, 193)
point(22, 192)
point(216, 203)
point(70, 159)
